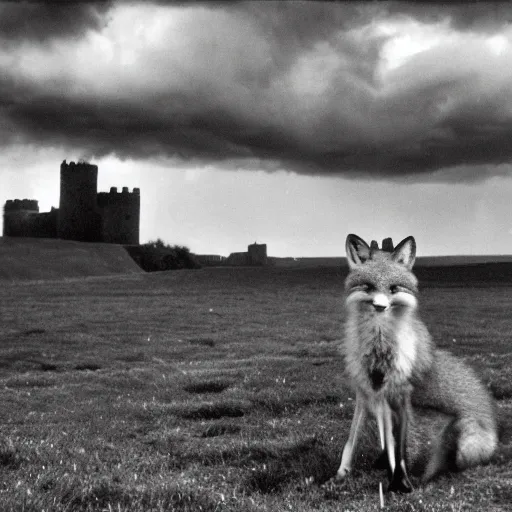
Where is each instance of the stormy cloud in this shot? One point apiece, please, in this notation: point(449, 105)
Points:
point(376, 90)
point(44, 21)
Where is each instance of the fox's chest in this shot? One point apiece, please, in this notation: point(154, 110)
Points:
point(380, 354)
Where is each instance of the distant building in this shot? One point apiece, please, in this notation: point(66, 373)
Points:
point(83, 214)
point(256, 255)
point(210, 259)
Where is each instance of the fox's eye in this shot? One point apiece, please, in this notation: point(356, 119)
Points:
point(395, 288)
point(363, 287)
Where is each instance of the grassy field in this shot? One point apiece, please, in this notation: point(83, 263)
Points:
point(216, 389)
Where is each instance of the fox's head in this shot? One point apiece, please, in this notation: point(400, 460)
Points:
point(381, 281)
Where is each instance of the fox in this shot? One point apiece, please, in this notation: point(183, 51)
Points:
point(433, 413)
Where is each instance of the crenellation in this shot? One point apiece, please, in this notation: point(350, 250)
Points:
point(125, 191)
point(118, 198)
point(78, 166)
point(14, 205)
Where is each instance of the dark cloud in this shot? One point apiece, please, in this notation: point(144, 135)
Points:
point(470, 15)
point(269, 85)
point(218, 137)
point(43, 21)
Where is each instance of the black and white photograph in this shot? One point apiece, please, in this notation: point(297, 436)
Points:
point(256, 256)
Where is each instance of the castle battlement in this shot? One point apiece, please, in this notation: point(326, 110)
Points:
point(16, 205)
point(114, 198)
point(77, 167)
point(126, 190)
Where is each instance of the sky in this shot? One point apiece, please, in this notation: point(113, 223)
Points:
point(285, 123)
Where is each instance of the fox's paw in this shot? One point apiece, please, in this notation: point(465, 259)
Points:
point(342, 474)
point(400, 484)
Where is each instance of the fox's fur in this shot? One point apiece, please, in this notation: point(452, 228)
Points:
point(389, 355)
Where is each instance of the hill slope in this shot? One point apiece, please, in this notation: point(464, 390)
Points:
point(43, 258)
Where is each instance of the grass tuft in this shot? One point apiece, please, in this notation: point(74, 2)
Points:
point(36, 330)
point(307, 460)
point(501, 388)
point(214, 411)
point(277, 403)
point(502, 494)
point(93, 367)
point(207, 386)
point(219, 429)
point(30, 381)
point(134, 357)
point(100, 493)
point(48, 367)
point(205, 342)
point(10, 456)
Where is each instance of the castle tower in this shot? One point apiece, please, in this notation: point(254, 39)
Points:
point(257, 254)
point(19, 215)
point(120, 213)
point(78, 218)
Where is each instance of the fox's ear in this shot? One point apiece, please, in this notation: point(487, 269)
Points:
point(357, 249)
point(405, 252)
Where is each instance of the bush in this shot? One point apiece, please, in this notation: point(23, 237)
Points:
point(156, 255)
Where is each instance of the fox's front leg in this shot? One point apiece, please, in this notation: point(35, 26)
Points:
point(358, 420)
point(400, 480)
point(384, 417)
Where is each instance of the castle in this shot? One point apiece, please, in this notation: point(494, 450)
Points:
point(256, 255)
point(83, 214)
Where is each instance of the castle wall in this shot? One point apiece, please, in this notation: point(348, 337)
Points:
point(78, 218)
point(45, 224)
point(210, 259)
point(31, 224)
point(18, 223)
point(18, 217)
point(120, 213)
point(238, 258)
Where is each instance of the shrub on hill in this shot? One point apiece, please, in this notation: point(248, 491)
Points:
point(155, 255)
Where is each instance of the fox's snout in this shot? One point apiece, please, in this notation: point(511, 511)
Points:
point(380, 302)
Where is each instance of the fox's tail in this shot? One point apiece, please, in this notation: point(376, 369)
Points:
point(455, 421)
point(450, 445)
